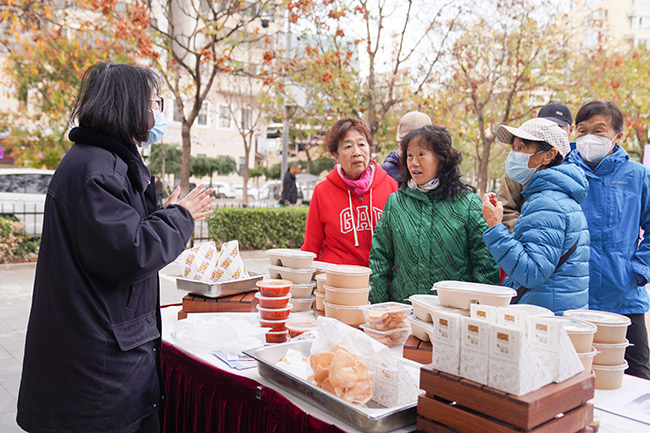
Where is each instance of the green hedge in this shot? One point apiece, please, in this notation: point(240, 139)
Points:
point(259, 228)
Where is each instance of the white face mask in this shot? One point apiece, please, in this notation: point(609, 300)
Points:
point(593, 148)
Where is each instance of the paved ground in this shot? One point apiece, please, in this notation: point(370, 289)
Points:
point(16, 282)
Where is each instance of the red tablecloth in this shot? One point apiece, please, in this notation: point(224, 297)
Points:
point(202, 398)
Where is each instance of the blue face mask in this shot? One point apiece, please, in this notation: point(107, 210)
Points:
point(158, 130)
point(517, 167)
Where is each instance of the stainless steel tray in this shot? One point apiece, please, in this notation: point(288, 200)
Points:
point(219, 289)
point(391, 419)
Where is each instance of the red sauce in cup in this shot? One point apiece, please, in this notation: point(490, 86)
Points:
point(276, 336)
point(272, 301)
point(275, 314)
point(274, 288)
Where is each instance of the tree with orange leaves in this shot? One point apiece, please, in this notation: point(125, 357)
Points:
point(47, 50)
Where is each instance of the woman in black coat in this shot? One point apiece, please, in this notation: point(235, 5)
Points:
point(92, 350)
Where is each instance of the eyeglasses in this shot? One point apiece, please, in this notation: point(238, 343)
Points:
point(158, 104)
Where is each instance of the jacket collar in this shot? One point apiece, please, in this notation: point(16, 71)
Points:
point(607, 165)
point(379, 176)
point(137, 172)
point(416, 194)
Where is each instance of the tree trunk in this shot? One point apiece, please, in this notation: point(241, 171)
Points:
point(483, 167)
point(185, 162)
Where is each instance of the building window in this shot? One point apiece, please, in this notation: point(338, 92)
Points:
point(202, 118)
point(245, 118)
point(224, 116)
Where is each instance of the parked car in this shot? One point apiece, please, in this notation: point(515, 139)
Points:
point(223, 190)
point(251, 193)
point(22, 195)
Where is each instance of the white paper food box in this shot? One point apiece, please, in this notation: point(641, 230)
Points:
point(475, 349)
point(553, 346)
point(488, 313)
point(514, 366)
point(512, 318)
point(446, 342)
point(395, 385)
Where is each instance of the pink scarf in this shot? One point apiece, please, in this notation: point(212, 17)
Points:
point(361, 185)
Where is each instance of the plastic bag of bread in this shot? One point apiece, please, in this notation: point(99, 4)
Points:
point(206, 263)
point(350, 364)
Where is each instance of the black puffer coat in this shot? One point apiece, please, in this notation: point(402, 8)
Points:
point(92, 347)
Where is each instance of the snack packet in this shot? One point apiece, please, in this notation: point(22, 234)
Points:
point(206, 263)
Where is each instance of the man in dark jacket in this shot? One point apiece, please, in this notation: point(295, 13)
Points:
point(92, 349)
point(410, 121)
point(289, 188)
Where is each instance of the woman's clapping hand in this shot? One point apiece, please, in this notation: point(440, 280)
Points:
point(197, 202)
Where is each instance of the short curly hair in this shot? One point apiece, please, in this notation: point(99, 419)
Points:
point(341, 127)
point(437, 139)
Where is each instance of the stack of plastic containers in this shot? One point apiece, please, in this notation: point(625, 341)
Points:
point(295, 266)
point(274, 308)
point(609, 363)
point(346, 289)
point(386, 322)
point(320, 293)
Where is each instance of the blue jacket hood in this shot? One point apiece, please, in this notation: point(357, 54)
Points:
point(607, 165)
point(565, 178)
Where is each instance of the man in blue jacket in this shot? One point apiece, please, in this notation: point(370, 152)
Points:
point(617, 207)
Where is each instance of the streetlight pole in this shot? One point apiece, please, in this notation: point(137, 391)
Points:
point(285, 124)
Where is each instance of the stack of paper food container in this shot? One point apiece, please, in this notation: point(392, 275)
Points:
point(346, 289)
point(609, 342)
point(295, 266)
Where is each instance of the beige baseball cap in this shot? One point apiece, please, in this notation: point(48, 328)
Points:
point(410, 121)
point(538, 129)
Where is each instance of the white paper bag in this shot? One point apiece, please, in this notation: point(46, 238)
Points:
point(514, 366)
point(475, 349)
point(554, 348)
point(205, 263)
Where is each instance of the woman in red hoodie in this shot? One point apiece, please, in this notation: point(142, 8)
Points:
point(346, 206)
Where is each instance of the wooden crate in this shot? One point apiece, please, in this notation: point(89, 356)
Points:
point(418, 350)
point(479, 408)
point(241, 303)
point(426, 425)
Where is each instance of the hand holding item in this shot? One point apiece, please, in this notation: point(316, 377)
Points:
point(492, 209)
point(197, 202)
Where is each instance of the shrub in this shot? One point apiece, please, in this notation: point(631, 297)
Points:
point(13, 244)
point(259, 228)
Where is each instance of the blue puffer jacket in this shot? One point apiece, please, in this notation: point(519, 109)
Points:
point(617, 206)
point(550, 223)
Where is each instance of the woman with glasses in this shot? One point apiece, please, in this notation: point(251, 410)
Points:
point(92, 349)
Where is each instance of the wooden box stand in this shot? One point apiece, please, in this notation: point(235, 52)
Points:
point(241, 303)
point(453, 404)
point(418, 350)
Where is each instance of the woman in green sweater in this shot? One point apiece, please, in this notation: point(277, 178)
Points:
point(432, 227)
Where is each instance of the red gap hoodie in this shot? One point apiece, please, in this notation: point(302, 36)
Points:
point(340, 223)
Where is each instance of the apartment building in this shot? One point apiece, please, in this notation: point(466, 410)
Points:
point(619, 21)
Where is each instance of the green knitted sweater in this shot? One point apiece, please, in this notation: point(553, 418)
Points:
point(421, 239)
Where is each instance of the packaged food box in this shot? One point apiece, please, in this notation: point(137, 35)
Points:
point(291, 258)
point(554, 348)
point(386, 315)
point(612, 327)
point(512, 317)
point(475, 349)
point(347, 276)
point(514, 366)
point(446, 342)
point(487, 313)
point(391, 337)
